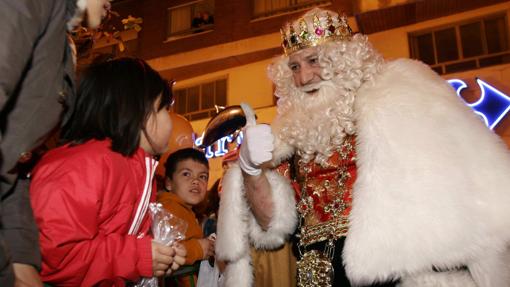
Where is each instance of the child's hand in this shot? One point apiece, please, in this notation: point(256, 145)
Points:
point(207, 247)
point(162, 258)
point(179, 258)
point(167, 258)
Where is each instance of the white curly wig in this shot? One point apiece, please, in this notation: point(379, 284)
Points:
point(316, 125)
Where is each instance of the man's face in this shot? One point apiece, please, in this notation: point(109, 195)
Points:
point(306, 70)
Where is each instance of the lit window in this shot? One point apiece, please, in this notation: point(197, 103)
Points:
point(463, 46)
point(190, 18)
point(197, 102)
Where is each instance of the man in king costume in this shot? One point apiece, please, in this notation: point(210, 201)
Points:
point(388, 177)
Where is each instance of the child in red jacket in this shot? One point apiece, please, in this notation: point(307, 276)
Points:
point(187, 174)
point(90, 196)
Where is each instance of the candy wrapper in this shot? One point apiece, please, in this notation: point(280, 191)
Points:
point(167, 229)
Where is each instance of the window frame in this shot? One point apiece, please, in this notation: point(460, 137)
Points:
point(195, 115)
point(443, 67)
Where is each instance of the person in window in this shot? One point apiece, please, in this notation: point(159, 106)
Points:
point(207, 18)
point(389, 177)
point(202, 19)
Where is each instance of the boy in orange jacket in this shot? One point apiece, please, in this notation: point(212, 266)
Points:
point(186, 177)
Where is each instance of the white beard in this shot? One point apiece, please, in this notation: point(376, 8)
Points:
point(316, 124)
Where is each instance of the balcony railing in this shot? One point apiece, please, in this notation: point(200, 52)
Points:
point(267, 8)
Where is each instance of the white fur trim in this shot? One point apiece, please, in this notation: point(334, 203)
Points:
point(439, 279)
point(284, 220)
point(432, 186)
point(491, 270)
point(239, 273)
point(232, 231)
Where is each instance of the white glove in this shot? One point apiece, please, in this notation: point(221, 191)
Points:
point(257, 146)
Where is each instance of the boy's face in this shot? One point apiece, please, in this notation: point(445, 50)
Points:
point(189, 181)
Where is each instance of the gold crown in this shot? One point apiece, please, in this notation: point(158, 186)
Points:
point(314, 28)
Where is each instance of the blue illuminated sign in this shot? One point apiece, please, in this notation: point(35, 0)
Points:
point(220, 148)
point(492, 106)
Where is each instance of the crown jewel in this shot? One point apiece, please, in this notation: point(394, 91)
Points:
point(314, 28)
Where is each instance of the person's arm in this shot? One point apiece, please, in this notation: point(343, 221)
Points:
point(256, 149)
point(256, 205)
point(270, 196)
point(21, 23)
point(260, 199)
point(21, 235)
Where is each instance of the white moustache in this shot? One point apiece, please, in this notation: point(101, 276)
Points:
point(316, 86)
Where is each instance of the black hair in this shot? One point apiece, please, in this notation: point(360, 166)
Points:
point(182, 155)
point(114, 100)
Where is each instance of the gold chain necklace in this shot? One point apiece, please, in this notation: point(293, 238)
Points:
point(315, 267)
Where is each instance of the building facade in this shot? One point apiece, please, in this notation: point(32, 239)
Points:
point(218, 50)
